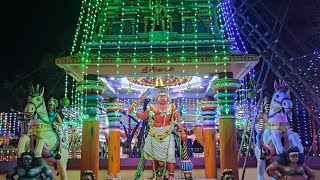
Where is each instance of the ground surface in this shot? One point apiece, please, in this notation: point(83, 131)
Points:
point(198, 173)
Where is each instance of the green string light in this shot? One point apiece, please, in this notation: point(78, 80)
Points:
point(95, 8)
point(167, 38)
point(134, 61)
point(79, 23)
point(66, 86)
point(98, 7)
point(84, 51)
point(85, 34)
point(72, 92)
point(74, 44)
point(220, 18)
point(196, 60)
point(151, 60)
point(212, 14)
point(183, 32)
point(118, 60)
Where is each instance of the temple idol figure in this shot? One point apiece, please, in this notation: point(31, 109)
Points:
point(227, 175)
point(278, 135)
point(41, 137)
point(30, 167)
point(160, 143)
point(291, 170)
point(159, 13)
point(87, 175)
point(56, 121)
point(264, 117)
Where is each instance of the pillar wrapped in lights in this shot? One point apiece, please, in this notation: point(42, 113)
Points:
point(114, 110)
point(92, 91)
point(225, 88)
point(208, 113)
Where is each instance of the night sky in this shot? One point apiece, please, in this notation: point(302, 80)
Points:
point(30, 29)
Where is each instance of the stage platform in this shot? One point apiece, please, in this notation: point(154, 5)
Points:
point(198, 174)
point(129, 165)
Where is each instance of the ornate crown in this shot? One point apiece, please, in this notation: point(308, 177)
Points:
point(159, 83)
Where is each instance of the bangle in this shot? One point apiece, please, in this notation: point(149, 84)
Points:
point(134, 104)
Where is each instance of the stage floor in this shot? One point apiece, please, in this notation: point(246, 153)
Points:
point(197, 174)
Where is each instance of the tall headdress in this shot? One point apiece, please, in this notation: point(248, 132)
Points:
point(161, 88)
point(54, 101)
point(159, 83)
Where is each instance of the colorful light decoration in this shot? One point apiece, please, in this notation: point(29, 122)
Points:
point(301, 122)
point(311, 69)
point(79, 23)
point(227, 21)
point(183, 31)
point(9, 125)
point(214, 29)
point(167, 81)
point(168, 35)
point(135, 60)
point(225, 10)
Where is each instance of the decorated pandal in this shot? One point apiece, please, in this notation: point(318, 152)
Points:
point(188, 126)
point(156, 88)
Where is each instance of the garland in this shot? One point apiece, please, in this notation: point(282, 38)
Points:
point(142, 160)
point(140, 167)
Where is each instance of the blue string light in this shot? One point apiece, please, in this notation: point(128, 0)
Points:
point(232, 30)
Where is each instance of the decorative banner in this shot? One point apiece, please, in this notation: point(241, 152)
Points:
point(157, 69)
point(167, 81)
